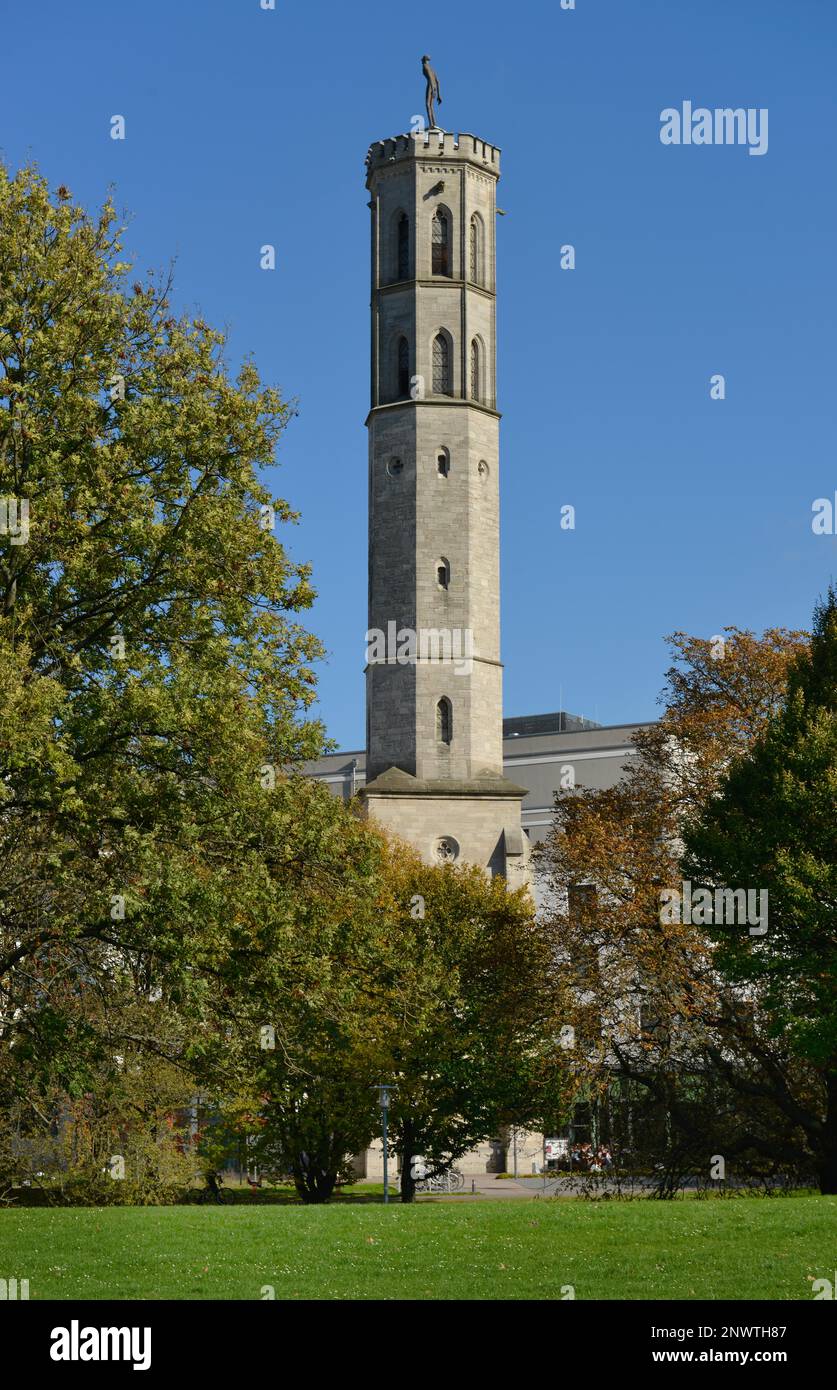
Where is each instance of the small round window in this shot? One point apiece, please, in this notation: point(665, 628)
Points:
point(446, 849)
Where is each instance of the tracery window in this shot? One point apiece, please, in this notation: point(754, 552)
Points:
point(440, 243)
point(441, 366)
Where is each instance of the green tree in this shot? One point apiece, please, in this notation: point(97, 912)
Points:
point(435, 980)
point(477, 1049)
point(773, 829)
point(154, 675)
point(305, 1011)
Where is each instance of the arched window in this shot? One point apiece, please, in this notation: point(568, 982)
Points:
point(403, 367)
point(402, 271)
point(444, 721)
point(440, 243)
point(476, 250)
point(441, 366)
point(476, 371)
point(443, 463)
point(443, 573)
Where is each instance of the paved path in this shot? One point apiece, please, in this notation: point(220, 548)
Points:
point(486, 1185)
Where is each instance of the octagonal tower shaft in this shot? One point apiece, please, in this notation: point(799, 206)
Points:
point(434, 461)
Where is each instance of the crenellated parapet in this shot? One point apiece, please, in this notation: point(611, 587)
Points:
point(433, 145)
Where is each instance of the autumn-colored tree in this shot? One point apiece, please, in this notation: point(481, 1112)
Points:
point(651, 1009)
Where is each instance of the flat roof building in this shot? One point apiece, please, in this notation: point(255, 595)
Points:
point(539, 751)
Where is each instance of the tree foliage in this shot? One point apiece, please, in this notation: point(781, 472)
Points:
point(773, 827)
point(678, 1011)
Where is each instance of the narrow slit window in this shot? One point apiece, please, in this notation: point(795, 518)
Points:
point(444, 721)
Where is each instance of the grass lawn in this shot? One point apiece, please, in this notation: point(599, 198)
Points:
point(737, 1248)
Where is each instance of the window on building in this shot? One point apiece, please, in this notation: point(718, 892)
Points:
point(403, 367)
point(476, 371)
point(444, 721)
point(441, 366)
point(440, 243)
point(403, 256)
point(443, 574)
point(443, 463)
point(476, 250)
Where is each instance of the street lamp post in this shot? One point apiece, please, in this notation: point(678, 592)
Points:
point(383, 1093)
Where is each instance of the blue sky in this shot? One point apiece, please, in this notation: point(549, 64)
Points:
point(247, 126)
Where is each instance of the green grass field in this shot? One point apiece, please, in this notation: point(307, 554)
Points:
point(738, 1248)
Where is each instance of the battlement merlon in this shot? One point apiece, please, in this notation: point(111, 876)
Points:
point(432, 145)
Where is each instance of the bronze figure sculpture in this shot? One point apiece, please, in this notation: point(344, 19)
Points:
point(432, 92)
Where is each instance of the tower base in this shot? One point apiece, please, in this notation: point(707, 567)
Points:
point(448, 821)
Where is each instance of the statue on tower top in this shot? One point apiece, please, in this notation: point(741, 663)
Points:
point(432, 92)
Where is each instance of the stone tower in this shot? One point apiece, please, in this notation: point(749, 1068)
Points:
point(434, 677)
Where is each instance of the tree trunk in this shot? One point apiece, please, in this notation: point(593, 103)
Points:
point(314, 1185)
point(408, 1182)
point(827, 1174)
point(827, 1165)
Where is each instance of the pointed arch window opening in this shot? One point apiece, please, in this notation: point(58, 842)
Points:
point(476, 371)
point(442, 385)
point(444, 721)
point(476, 251)
point(440, 244)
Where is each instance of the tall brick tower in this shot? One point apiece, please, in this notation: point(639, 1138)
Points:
point(434, 677)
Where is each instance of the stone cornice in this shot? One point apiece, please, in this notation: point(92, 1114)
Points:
point(438, 282)
point(396, 782)
point(446, 401)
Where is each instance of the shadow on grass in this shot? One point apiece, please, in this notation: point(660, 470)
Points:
point(282, 1195)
